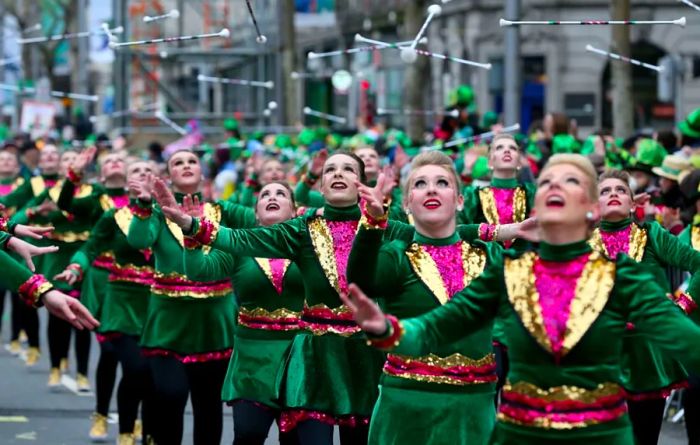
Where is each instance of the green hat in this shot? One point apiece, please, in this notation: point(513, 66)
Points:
point(283, 141)
point(649, 154)
point(230, 124)
point(565, 143)
point(480, 169)
point(462, 96)
point(307, 136)
point(691, 125)
point(489, 118)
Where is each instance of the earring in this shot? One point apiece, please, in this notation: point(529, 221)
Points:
point(589, 216)
point(459, 209)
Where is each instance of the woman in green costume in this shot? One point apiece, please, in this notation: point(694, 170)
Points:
point(270, 295)
point(564, 310)
point(649, 376)
point(108, 194)
point(69, 234)
point(123, 310)
point(455, 382)
point(188, 330)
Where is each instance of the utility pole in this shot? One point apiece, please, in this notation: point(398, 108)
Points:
point(121, 64)
point(418, 73)
point(290, 107)
point(511, 64)
point(623, 118)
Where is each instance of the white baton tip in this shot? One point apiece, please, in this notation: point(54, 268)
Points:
point(423, 40)
point(112, 44)
point(200, 77)
point(225, 33)
point(261, 39)
point(93, 119)
point(269, 84)
point(267, 112)
point(487, 66)
point(147, 18)
point(358, 37)
point(516, 127)
point(294, 74)
point(453, 113)
point(589, 47)
point(681, 22)
point(434, 9)
point(158, 114)
point(408, 54)
point(272, 105)
point(118, 30)
point(174, 13)
point(381, 111)
point(504, 22)
point(307, 110)
point(310, 55)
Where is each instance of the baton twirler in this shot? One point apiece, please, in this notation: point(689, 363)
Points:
point(679, 22)
point(224, 33)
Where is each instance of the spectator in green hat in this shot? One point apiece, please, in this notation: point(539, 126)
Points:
point(649, 154)
point(690, 132)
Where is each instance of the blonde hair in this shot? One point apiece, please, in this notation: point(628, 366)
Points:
point(431, 158)
point(582, 163)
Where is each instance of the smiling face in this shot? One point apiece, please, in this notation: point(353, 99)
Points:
point(615, 199)
point(271, 171)
point(274, 204)
point(433, 197)
point(49, 160)
point(113, 167)
point(66, 160)
point(504, 156)
point(371, 159)
point(564, 197)
point(338, 180)
point(185, 171)
point(9, 165)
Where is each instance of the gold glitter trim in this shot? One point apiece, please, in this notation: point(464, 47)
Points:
point(637, 243)
point(473, 262)
point(192, 293)
point(490, 209)
point(592, 291)
point(82, 191)
point(322, 240)
point(695, 237)
point(565, 392)
point(277, 314)
point(38, 185)
point(451, 361)
point(210, 211)
point(264, 264)
point(106, 202)
point(123, 218)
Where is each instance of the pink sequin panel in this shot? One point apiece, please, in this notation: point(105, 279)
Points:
point(290, 419)
point(277, 269)
point(504, 204)
point(188, 358)
point(343, 234)
point(616, 242)
point(120, 201)
point(556, 284)
point(5, 189)
point(450, 265)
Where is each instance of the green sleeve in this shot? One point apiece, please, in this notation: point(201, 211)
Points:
point(217, 265)
point(20, 217)
point(468, 232)
point(370, 265)
point(14, 274)
point(4, 238)
point(674, 253)
point(468, 311)
point(472, 204)
point(100, 239)
point(247, 196)
point(530, 190)
point(304, 195)
point(398, 230)
point(236, 215)
point(656, 316)
point(19, 196)
point(143, 232)
point(84, 207)
point(281, 240)
point(396, 211)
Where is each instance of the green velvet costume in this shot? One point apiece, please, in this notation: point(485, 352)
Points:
point(648, 373)
point(270, 296)
point(454, 384)
point(190, 320)
point(564, 311)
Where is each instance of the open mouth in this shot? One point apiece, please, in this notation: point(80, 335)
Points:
point(507, 158)
point(614, 202)
point(432, 204)
point(187, 175)
point(272, 206)
point(339, 185)
point(555, 201)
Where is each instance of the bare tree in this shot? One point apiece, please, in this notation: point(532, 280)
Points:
point(623, 107)
point(418, 73)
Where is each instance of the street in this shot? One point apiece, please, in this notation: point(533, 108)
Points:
point(30, 413)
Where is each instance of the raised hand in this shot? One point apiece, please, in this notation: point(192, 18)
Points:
point(141, 189)
point(27, 251)
point(529, 230)
point(69, 309)
point(84, 159)
point(67, 277)
point(318, 162)
point(46, 207)
point(162, 194)
point(192, 206)
point(400, 158)
point(34, 232)
point(368, 315)
point(373, 197)
point(389, 181)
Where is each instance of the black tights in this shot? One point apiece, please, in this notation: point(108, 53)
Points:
point(319, 433)
point(502, 366)
point(105, 377)
point(135, 386)
point(647, 417)
point(59, 343)
point(22, 316)
point(691, 406)
point(173, 382)
point(15, 321)
point(252, 422)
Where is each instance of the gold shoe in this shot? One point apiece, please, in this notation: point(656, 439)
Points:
point(126, 439)
point(23, 336)
point(15, 347)
point(64, 364)
point(54, 378)
point(33, 355)
point(98, 430)
point(138, 430)
point(82, 383)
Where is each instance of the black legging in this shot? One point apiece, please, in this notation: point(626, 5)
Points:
point(251, 424)
point(502, 366)
point(319, 433)
point(647, 417)
point(28, 319)
point(59, 344)
point(105, 376)
point(15, 321)
point(173, 381)
point(691, 407)
point(135, 386)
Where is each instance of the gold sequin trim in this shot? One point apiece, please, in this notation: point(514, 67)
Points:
point(592, 291)
point(490, 209)
point(565, 392)
point(322, 241)
point(451, 361)
point(38, 185)
point(277, 314)
point(210, 211)
point(106, 202)
point(473, 262)
point(264, 264)
point(637, 243)
point(695, 237)
point(123, 219)
point(82, 191)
